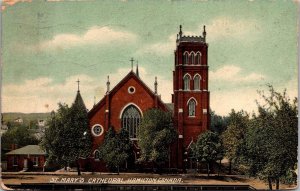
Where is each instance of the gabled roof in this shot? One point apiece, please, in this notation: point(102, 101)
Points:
point(130, 75)
point(28, 150)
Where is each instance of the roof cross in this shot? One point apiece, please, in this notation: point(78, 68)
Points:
point(131, 60)
point(78, 84)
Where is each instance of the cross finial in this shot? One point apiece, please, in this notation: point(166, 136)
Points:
point(107, 85)
point(155, 85)
point(137, 69)
point(78, 84)
point(131, 60)
point(204, 33)
point(180, 31)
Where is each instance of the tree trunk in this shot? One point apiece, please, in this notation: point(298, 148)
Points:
point(78, 168)
point(118, 169)
point(229, 167)
point(270, 183)
point(219, 168)
point(207, 168)
point(277, 183)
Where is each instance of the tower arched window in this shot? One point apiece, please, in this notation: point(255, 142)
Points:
point(198, 58)
point(192, 107)
point(186, 58)
point(131, 119)
point(186, 82)
point(193, 58)
point(197, 80)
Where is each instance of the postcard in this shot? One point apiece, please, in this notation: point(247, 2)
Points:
point(149, 95)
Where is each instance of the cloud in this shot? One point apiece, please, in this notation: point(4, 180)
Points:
point(226, 27)
point(231, 73)
point(34, 95)
point(240, 99)
point(43, 94)
point(94, 35)
point(219, 28)
point(245, 98)
point(160, 48)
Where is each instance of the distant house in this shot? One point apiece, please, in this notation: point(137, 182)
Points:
point(41, 123)
point(4, 127)
point(30, 157)
point(19, 120)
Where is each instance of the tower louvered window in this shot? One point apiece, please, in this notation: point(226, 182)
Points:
point(186, 82)
point(185, 58)
point(131, 119)
point(198, 58)
point(193, 58)
point(197, 82)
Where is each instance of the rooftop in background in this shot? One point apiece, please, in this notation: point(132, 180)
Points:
point(28, 150)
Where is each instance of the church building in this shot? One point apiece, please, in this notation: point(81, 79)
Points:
point(124, 105)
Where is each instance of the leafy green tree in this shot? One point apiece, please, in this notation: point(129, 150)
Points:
point(270, 147)
point(68, 138)
point(54, 136)
point(208, 148)
point(218, 123)
point(116, 148)
point(156, 133)
point(77, 137)
point(20, 135)
point(234, 134)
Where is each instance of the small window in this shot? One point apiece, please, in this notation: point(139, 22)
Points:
point(97, 130)
point(186, 58)
point(186, 82)
point(192, 107)
point(131, 90)
point(96, 155)
point(35, 161)
point(197, 82)
point(15, 161)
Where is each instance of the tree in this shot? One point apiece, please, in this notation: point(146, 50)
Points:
point(270, 147)
point(156, 133)
point(68, 138)
point(54, 136)
point(208, 148)
point(218, 123)
point(20, 136)
point(115, 149)
point(234, 134)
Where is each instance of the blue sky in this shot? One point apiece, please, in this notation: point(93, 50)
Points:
point(48, 45)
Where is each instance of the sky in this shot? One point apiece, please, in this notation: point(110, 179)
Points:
point(48, 45)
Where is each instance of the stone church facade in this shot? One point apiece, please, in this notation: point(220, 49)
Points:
point(124, 105)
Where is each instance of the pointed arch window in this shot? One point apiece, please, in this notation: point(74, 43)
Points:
point(186, 82)
point(131, 119)
point(193, 58)
point(198, 58)
point(185, 58)
point(197, 80)
point(96, 155)
point(192, 107)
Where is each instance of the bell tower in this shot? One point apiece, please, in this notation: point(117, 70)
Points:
point(190, 92)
